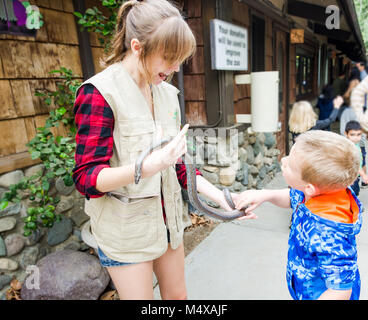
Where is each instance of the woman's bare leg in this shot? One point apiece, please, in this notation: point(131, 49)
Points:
point(169, 270)
point(133, 282)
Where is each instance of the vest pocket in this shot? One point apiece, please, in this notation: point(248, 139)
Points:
point(129, 226)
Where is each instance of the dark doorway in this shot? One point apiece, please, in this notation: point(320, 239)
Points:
point(258, 44)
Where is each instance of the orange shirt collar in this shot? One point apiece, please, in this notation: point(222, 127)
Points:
point(339, 206)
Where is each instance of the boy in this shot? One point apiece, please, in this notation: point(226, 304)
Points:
point(322, 255)
point(353, 132)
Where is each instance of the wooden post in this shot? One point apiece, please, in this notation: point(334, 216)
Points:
point(84, 43)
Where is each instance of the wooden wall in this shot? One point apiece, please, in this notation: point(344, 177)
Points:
point(194, 71)
point(25, 63)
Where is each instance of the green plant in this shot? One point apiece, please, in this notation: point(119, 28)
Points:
point(56, 153)
point(95, 21)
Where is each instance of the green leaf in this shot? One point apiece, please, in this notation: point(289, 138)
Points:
point(35, 155)
point(60, 171)
point(90, 12)
point(45, 185)
point(3, 204)
point(78, 14)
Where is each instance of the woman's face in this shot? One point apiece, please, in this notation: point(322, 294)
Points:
point(160, 69)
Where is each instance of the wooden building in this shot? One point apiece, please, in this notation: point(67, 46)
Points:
point(213, 98)
point(209, 97)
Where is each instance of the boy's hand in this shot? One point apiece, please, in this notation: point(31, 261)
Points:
point(251, 198)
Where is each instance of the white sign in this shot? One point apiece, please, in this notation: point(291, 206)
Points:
point(229, 46)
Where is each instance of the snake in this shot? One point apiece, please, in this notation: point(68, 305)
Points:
point(189, 162)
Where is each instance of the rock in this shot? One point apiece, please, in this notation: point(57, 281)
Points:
point(2, 247)
point(243, 154)
point(227, 176)
point(8, 264)
point(62, 188)
point(77, 214)
point(258, 159)
point(250, 155)
point(31, 171)
point(262, 172)
point(35, 237)
point(67, 275)
point(60, 231)
point(29, 256)
point(64, 205)
point(211, 169)
point(270, 140)
point(211, 177)
point(240, 138)
point(10, 178)
point(11, 210)
point(7, 223)
point(5, 280)
point(257, 148)
point(14, 244)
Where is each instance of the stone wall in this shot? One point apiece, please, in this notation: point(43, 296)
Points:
point(234, 158)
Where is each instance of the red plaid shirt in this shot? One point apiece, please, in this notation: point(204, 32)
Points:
point(95, 122)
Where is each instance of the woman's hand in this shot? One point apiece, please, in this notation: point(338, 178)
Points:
point(168, 155)
point(337, 102)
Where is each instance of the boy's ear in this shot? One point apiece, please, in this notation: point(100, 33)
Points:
point(310, 190)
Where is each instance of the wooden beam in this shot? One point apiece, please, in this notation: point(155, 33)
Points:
point(307, 11)
point(17, 161)
point(340, 35)
point(85, 50)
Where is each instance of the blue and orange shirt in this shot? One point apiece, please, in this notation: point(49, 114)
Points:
point(322, 246)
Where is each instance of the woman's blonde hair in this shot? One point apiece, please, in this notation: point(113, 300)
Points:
point(159, 27)
point(328, 160)
point(302, 117)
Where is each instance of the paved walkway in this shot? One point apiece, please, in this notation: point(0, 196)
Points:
point(246, 260)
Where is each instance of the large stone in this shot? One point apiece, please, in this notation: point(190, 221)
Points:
point(67, 275)
point(31, 171)
point(14, 244)
point(10, 178)
point(64, 205)
point(8, 264)
point(270, 140)
point(5, 280)
point(29, 256)
point(11, 210)
point(7, 223)
point(60, 231)
point(2, 248)
point(62, 188)
point(77, 214)
point(227, 176)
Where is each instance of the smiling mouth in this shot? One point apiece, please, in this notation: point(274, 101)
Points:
point(163, 76)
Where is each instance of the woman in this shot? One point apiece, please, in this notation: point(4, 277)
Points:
point(119, 112)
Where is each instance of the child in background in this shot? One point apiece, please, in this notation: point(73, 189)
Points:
point(303, 118)
point(322, 255)
point(353, 131)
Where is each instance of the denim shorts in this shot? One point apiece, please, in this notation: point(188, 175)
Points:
point(107, 262)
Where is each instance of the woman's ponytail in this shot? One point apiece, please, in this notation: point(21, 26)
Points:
point(118, 46)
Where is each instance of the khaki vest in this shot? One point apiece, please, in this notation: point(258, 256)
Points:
point(128, 224)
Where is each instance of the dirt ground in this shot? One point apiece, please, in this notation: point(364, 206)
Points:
point(197, 232)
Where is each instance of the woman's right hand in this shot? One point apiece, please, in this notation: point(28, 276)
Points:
point(168, 155)
point(337, 102)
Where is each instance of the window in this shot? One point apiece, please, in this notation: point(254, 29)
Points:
point(13, 18)
point(304, 75)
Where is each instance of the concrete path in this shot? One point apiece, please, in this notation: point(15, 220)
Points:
point(246, 260)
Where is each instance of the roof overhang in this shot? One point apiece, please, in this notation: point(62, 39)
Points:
point(348, 38)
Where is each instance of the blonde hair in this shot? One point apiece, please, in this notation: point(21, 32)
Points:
point(159, 27)
point(302, 117)
point(329, 160)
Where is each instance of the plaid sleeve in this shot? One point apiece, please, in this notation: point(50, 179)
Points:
point(95, 124)
point(181, 173)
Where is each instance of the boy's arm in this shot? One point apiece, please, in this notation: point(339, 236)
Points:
point(363, 175)
point(253, 198)
point(331, 294)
